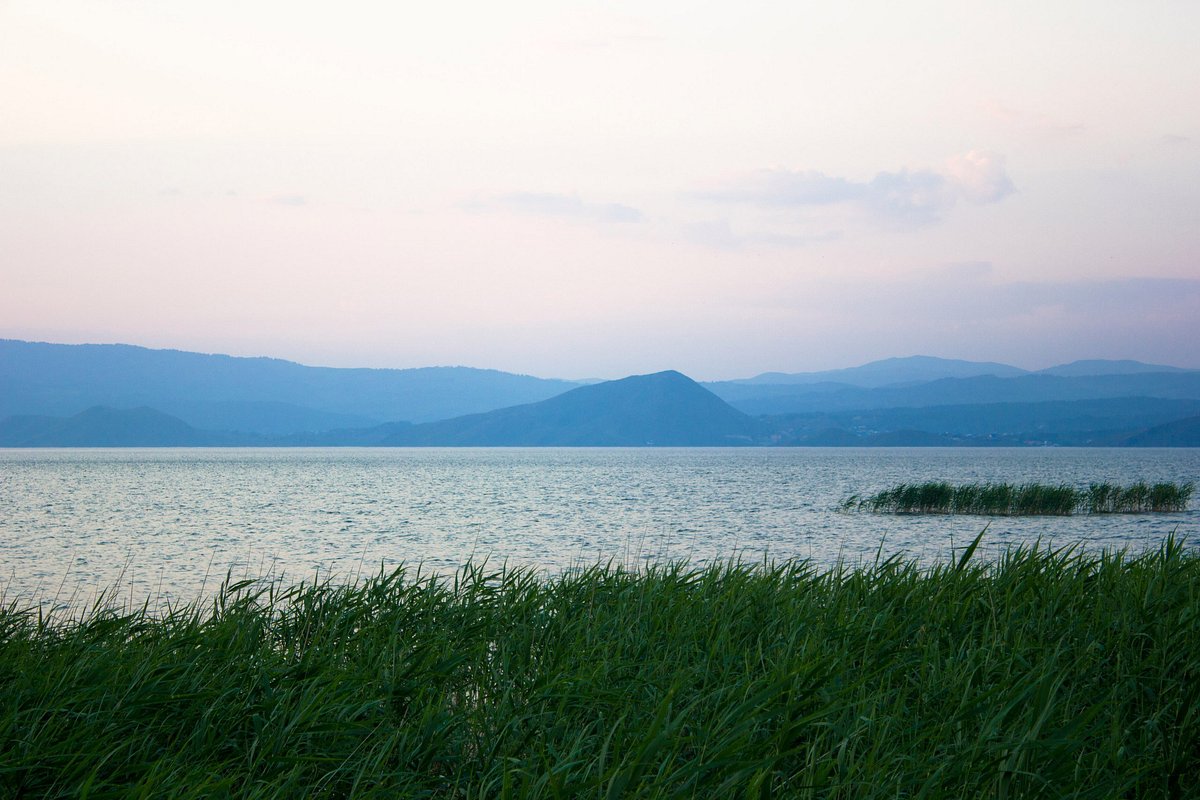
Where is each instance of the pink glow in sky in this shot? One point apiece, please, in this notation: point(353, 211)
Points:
point(600, 189)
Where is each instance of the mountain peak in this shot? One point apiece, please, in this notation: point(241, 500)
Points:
point(1103, 366)
point(663, 408)
point(889, 371)
point(102, 426)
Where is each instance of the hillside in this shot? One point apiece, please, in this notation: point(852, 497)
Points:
point(910, 369)
point(1107, 367)
point(1073, 422)
point(259, 395)
point(109, 427)
point(1033, 388)
point(120, 395)
point(923, 369)
point(665, 408)
point(1180, 433)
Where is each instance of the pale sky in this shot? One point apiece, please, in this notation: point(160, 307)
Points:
point(601, 189)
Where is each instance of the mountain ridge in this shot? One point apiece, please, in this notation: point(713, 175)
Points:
point(264, 401)
point(883, 372)
point(231, 392)
point(101, 426)
point(1034, 387)
point(921, 368)
point(661, 409)
point(664, 409)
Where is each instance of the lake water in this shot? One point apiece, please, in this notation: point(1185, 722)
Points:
point(168, 524)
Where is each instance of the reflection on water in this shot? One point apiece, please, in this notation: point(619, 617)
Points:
point(163, 523)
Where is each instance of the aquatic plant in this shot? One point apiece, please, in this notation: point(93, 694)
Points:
point(1025, 499)
point(1106, 498)
point(1039, 673)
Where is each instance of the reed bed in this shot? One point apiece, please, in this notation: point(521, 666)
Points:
point(1006, 499)
point(1042, 673)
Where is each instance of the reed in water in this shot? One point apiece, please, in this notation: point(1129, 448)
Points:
point(1037, 673)
point(1006, 499)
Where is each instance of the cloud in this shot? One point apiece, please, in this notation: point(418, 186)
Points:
point(293, 200)
point(979, 177)
point(566, 205)
point(916, 196)
point(1174, 140)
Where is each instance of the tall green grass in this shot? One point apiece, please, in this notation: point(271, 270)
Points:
point(1039, 674)
point(1106, 498)
point(1025, 499)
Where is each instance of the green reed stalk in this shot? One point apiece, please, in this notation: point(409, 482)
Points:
point(1039, 673)
point(1005, 499)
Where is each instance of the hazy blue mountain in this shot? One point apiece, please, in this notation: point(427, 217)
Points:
point(1126, 413)
point(19, 430)
point(665, 408)
point(911, 438)
point(746, 396)
point(119, 395)
point(922, 369)
point(108, 427)
point(1034, 388)
point(266, 417)
point(1082, 422)
point(910, 369)
point(255, 394)
point(1108, 367)
point(1180, 433)
point(373, 436)
point(835, 437)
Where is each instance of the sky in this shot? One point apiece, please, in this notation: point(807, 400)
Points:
point(591, 190)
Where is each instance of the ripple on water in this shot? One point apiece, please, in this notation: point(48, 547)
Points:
point(167, 521)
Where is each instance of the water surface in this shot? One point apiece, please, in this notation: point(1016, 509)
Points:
point(169, 523)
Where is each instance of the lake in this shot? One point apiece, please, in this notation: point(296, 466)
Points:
point(168, 524)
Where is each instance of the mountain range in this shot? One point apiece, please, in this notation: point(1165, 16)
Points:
point(259, 395)
point(115, 395)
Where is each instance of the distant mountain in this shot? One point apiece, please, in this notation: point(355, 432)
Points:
point(665, 408)
point(922, 369)
point(1107, 367)
point(107, 427)
point(119, 395)
point(1033, 388)
point(263, 417)
point(911, 369)
point(262, 395)
point(1069, 422)
point(1180, 433)
point(835, 437)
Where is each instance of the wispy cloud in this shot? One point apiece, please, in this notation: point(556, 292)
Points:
point(293, 200)
point(979, 177)
point(564, 205)
point(916, 196)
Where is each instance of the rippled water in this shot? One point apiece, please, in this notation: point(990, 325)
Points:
point(169, 523)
